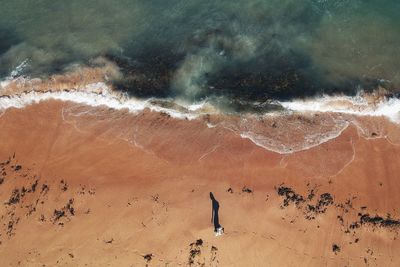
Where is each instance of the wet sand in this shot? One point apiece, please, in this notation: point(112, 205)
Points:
point(102, 187)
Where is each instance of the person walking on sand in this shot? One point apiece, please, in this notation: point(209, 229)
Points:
point(218, 229)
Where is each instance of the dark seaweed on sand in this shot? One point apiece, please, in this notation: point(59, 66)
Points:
point(289, 196)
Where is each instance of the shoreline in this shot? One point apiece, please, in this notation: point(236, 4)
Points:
point(332, 114)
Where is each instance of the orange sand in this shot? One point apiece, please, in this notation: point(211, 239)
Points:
point(139, 184)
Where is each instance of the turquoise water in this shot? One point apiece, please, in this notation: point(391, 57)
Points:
point(239, 48)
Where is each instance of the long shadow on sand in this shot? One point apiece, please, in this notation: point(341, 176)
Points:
point(214, 214)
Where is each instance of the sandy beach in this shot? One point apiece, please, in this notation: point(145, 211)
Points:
point(93, 186)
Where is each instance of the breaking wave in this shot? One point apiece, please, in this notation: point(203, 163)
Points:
point(359, 106)
point(107, 98)
point(301, 132)
point(99, 94)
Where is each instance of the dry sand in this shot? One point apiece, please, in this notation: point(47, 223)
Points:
point(100, 187)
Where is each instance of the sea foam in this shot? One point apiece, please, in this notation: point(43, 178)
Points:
point(104, 98)
point(101, 95)
point(358, 106)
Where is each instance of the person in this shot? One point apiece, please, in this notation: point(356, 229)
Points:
point(218, 229)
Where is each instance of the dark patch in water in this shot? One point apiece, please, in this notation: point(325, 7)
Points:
point(261, 80)
point(8, 38)
point(149, 74)
point(248, 87)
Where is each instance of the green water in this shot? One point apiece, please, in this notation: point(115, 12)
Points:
point(331, 41)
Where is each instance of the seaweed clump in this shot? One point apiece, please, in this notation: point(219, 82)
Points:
point(378, 221)
point(290, 196)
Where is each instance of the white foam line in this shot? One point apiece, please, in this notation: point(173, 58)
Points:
point(106, 99)
point(285, 151)
point(389, 108)
point(18, 69)
point(4, 83)
point(209, 125)
point(14, 74)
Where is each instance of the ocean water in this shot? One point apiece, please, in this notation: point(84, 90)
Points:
point(249, 50)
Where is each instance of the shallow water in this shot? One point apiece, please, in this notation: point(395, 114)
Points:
point(194, 49)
